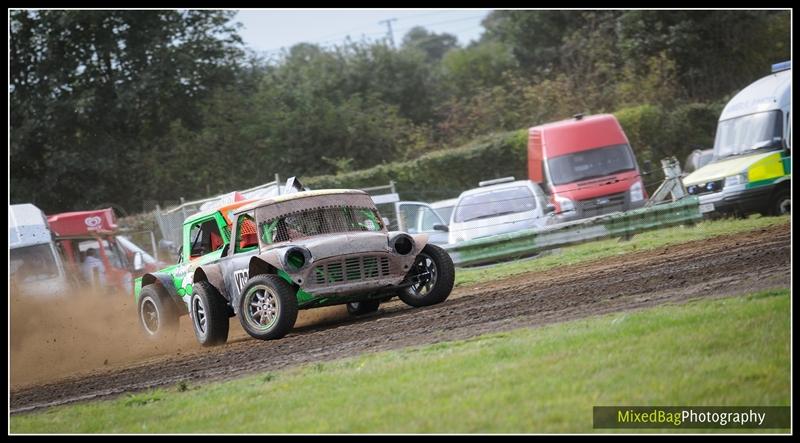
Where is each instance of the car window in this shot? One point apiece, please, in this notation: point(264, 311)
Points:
point(111, 251)
point(319, 221)
point(417, 218)
point(494, 203)
point(429, 218)
point(205, 237)
point(445, 212)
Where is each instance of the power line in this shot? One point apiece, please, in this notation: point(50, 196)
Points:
point(389, 29)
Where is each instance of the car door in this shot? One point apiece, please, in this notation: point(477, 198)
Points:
point(243, 246)
point(204, 242)
point(420, 218)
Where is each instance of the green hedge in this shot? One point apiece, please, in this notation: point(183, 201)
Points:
point(654, 133)
point(441, 174)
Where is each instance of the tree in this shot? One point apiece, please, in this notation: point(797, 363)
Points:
point(432, 44)
point(91, 92)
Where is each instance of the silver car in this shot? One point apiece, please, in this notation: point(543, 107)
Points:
point(497, 207)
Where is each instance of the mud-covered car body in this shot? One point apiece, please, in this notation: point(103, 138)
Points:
point(324, 247)
point(331, 244)
point(177, 279)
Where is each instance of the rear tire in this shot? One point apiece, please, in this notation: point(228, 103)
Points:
point(363, 307)
point(434, 275)
point(267, 307)
point(209, 312)
point(782, 203)
point(158, 315)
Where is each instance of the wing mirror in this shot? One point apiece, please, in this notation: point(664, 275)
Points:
point(549, 208)
point(442, 228)
point(648, 168)
point(138, 261)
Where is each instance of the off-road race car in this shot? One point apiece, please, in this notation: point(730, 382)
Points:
point(263, 260)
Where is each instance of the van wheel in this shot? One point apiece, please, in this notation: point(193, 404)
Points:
point(782, 203)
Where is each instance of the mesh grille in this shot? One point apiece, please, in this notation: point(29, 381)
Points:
point(612, 203)
point(319, 221)
point(351, 269)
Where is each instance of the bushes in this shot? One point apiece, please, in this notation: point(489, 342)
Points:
point(441, 174)
point(654, 133)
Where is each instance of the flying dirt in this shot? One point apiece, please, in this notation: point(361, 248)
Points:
point(722, 266)
point(55, 338)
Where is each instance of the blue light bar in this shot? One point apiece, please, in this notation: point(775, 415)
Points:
point(782, 66)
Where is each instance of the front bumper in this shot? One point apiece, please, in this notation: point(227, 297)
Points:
point(580, 214)
point(354, 274)
point(739, 200)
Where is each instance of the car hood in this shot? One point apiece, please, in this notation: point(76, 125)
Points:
point(724, 168)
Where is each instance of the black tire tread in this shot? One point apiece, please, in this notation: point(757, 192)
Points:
point(168, 312)
point(444, 282)
point(217, 314)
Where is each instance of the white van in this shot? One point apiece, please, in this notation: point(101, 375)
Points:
point(35, 265)
point(751, 169)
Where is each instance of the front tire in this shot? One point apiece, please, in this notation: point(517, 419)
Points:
point(433, 276)
point(158, 315)
point(363, 307)
point(267, 307)
point(209, 312)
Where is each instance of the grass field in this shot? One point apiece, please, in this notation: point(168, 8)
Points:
point(607, 248)
point(730, 351)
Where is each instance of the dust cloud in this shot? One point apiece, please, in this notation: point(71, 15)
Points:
point(54, 338)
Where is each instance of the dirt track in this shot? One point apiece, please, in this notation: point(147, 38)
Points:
point(718, 267)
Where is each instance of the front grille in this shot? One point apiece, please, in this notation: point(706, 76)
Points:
point(602, 205)
point(351, 269)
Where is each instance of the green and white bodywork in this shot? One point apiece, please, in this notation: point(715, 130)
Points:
point(751, 169)
point(328, 247)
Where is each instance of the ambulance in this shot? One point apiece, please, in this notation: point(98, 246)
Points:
point(751, 169)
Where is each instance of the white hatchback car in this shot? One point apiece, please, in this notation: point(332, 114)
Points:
point(497, 207)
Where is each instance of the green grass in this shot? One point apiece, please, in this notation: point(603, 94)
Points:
point(731, 351)
point(607, 248)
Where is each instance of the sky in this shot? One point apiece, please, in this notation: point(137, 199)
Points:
point(271, 30)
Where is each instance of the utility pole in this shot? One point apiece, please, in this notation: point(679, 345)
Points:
point(389, 31)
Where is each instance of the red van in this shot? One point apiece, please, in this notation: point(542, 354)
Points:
point(586, 166)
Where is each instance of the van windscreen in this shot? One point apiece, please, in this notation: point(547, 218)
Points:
point(741, 135)
point(594, 163)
